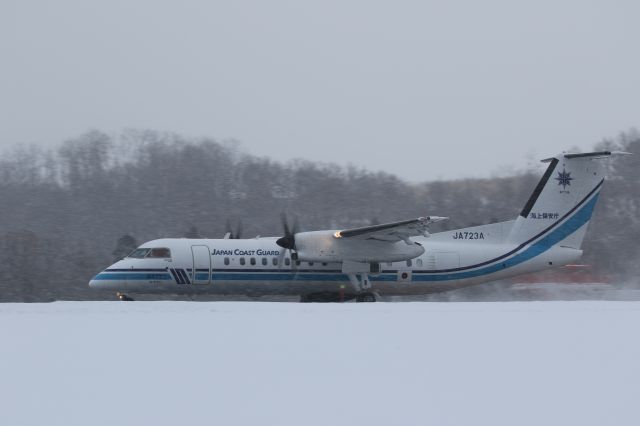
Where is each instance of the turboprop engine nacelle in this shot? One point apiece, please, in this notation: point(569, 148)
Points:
point(324, 246)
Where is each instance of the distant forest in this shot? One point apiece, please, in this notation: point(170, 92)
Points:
point(68, 212)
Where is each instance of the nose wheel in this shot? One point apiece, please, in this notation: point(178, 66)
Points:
point(123, 297)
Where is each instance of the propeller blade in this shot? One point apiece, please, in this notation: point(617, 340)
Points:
point(285, 224)
point(228, 232)
point(239, 230)
point(232, 234)
point(289, 239)
point(281, 258)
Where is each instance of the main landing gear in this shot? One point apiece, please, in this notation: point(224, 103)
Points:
point(366, 297)
point(362, 285)
point(362, 292)
point(123, 297)
point(330, 297)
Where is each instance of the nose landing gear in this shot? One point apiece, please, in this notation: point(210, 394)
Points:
point(123, 297)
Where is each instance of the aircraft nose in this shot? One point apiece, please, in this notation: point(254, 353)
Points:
point(108, 281)
point(97, 284)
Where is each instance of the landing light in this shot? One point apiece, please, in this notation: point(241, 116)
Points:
point(337, 234)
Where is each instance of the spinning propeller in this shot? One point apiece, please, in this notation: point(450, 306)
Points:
point(288, 242)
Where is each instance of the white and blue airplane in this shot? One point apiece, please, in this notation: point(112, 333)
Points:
point(399, 258)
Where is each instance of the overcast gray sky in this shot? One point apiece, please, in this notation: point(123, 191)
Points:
point(423, 89)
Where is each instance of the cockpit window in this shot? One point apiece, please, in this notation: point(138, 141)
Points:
point(160, 252)
point(139, 253)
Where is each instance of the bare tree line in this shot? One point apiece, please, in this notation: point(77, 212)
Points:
point(68, 212)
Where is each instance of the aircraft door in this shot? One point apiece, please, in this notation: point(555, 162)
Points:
point(201, 264)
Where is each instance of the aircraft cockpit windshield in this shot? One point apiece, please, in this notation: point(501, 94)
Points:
point(156, 253)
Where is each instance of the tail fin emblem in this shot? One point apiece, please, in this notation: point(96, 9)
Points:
point(564, 178)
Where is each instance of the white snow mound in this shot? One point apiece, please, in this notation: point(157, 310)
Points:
point(233, 363)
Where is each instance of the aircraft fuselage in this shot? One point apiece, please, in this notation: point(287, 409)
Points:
point(257, 266)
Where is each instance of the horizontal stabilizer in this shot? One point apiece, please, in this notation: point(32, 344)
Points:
point(592, 155)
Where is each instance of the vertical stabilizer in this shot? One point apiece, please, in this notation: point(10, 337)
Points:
point(564, 199)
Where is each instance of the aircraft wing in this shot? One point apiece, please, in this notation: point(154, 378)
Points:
point(392, 232)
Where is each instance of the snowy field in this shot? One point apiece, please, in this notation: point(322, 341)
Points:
point(246, 363)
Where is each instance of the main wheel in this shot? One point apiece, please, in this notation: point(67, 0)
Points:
point(366, 297)
point(325, 297)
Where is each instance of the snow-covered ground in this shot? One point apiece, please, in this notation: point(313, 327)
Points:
point(230, 363)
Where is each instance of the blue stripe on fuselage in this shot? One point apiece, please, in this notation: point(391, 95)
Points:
point(571, 225)
point(121, 276)
point(563, 231)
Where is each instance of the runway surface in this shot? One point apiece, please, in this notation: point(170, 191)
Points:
point(252, 363)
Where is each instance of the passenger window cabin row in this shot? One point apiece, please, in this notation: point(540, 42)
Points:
point(287, 262)
point(264, 261)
